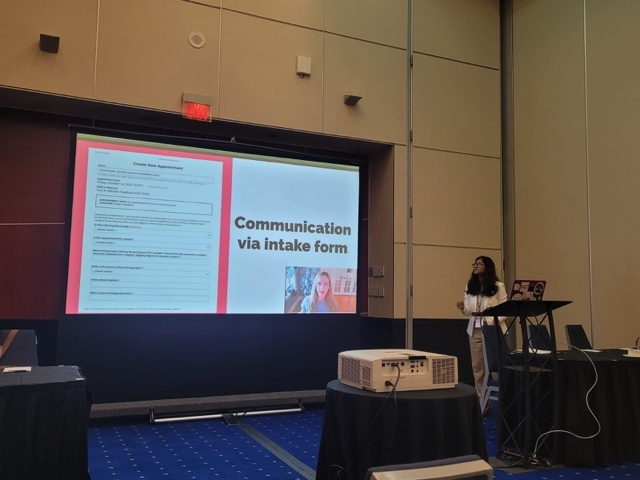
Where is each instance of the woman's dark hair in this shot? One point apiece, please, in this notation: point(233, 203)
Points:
point(487, 284)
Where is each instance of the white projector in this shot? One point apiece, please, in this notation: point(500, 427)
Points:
point(377, 370)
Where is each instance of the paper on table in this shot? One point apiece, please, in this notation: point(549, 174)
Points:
point(16, 369)
point(532, 350)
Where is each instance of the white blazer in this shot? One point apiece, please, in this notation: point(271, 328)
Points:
point(479, 303)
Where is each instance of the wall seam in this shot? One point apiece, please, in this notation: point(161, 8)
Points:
point(95, 56)
point(587, 179)
point(409, 159)
point(508, 141)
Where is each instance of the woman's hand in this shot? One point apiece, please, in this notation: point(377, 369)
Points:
point(460, 305)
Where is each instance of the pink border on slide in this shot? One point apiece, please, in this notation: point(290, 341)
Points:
point(77, 225)
point(78, 210)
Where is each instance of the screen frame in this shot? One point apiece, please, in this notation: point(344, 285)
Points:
point(231, 147)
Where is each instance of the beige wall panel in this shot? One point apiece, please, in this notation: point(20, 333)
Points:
point(456, 106)
point(380, 249)
point(379, 21)
point(464, 30)
point(258, 80)
point(23, 65)
point(378, 75)
point(551, 204)
point(212, 3)
point(144, 55)
point(400, 194)
point(309, 13)
point(457, 199)
point(439, 277)
point(400, 280)
point(613, 101)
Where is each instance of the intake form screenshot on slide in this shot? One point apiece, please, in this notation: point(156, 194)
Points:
point(149, 245)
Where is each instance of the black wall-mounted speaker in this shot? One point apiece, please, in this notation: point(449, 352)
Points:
point(49, 43)
point(351, 100)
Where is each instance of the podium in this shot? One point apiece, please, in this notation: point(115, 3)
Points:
point(527, 384)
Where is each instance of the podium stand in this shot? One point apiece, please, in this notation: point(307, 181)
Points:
point(527, 384)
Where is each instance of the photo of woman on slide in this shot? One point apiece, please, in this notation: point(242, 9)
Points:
point(320, 289)
point(320, 300)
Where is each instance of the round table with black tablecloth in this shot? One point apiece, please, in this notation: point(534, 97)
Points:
point(363, 429)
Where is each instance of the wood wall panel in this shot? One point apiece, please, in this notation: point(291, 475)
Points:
point(550, 154)
point(456, 107)
point(378, 21)
point(400, 185)
point(309, 13)
point(211, 3)
point(31, 259)
point(349, 69)
point(463, 30)
point(439, 277)
point(23, 65)
point(380, 236)
point(145, 58)
point(613, 102)
point(258, 80)
point(457, 199)
point(400, 280)
point(33, 169)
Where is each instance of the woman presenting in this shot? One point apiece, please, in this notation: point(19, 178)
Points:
point(483, 290)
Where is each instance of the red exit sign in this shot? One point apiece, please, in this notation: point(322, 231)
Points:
point(197, 111)
point(197, 107)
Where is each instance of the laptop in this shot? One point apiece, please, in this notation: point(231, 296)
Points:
point(527, 289)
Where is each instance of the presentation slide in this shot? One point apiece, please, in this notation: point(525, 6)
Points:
point(159, 228)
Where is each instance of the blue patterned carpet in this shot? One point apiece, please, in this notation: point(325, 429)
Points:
point(275, 446)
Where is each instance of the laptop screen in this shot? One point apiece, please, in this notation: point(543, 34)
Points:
point(527, 289)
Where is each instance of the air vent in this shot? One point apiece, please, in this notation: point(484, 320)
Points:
point(366, 376)
point(350, 370)
point(444, 370)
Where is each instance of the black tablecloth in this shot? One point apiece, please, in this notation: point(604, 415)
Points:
point(44, 418)
point(615, 400)
point(413, 426)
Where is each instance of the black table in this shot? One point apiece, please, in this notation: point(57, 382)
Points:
point(615, 400)
point(44, 418)
point(414, 426)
